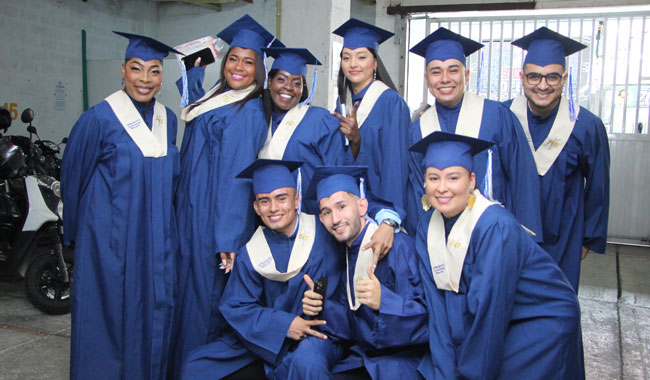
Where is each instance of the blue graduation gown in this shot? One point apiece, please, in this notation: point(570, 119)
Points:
point(215, 214)
point(261, 310)
point(391, 341)
point(384, 149)
point(316, 141)
point(514, 179)
point(118, 210)
point(574, 191)
point(515, 315)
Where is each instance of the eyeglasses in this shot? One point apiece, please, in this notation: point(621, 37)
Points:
point(552, 79)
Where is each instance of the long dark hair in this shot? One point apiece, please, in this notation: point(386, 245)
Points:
point(266, 96)
point(259, 79)
point(344, 86)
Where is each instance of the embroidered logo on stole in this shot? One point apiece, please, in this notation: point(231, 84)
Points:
point(275, 144)
point(447, 259)
point(557, 137)
point(152, 143)
point(260, 255)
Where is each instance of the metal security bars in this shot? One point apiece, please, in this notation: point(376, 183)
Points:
point(611, 77)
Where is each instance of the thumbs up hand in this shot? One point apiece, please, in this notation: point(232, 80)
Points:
point(312, 302)
point(369, 291)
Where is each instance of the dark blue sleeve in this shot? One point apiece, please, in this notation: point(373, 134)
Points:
point(331, 143)
point(523, 199)
point(195, 89)
point(239, 147)
point(263, 330)
point(402, 317)
point(415, 189)
point(82, 152)
point(596, 186)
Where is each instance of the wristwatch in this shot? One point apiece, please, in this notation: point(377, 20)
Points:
point(390, 222)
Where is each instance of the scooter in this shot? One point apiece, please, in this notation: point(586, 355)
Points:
point(31, 228)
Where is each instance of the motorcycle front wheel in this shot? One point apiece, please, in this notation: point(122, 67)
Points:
point(44, 287)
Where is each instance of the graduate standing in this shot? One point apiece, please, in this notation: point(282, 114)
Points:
point(505, 172)
point(386, 313)
point(376, 118)
point(262, 301)
point(299, 131)
point(571, 152)
point(499, 306)
point(118, 177)
point(224, 131)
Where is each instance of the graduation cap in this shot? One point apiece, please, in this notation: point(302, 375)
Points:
point(328, 180)
point(443, 149)
point(146, 48)
point(269, 175)
point(546, 47)
point(357, 34)
point(443, 44)
point(292, 60)
point(249, 34)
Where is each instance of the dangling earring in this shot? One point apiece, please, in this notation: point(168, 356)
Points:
point(374, 75)
point(426, 205)
point(471, 200)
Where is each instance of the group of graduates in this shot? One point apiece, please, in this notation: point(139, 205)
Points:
point(290, 242)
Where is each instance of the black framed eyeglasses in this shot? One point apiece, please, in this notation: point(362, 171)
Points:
point(552, 79)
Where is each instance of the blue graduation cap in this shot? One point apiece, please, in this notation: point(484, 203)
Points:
point(443, 149)
point(546, 47)
point(249, 34)
point(443, 44)
point(292, 60)
point(357, 34)
point(146, 48)
point(328, 180)
point(269, 175)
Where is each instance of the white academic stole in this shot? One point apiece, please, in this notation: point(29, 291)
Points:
point(275, 144)
point(260, 255)
point(152, 142)
point(557, 137)
point(193, 110)
point(364, 259)
point(447, 259)
point(469, 118)
point(369, 99)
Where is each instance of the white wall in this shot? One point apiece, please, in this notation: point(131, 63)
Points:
point(41, 48)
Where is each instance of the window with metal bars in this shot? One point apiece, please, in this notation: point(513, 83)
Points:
point(611, 77)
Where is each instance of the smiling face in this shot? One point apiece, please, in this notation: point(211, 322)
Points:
point(285, 89)
point(358, 66)
point(142, 79)
point(342, 214)
point(446, 80)
point(278, 209)
point(542, 97)
point(448, 190)
point(239, 69)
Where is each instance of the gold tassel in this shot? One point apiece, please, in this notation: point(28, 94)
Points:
point(426, 205)
point(471, 200)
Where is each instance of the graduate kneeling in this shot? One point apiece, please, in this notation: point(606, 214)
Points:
point(499, 306)
point(262, 301)
point(387, 313)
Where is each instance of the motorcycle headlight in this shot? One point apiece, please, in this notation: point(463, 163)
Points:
point(59, 209)
point(56, 188)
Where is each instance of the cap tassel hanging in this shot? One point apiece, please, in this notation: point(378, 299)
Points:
point(487, 180)
point(185, 95)
point(479, 75)
point(313, 88)
point(572, 108)
point(299, 190)
point(362, 187)
point(266, 66)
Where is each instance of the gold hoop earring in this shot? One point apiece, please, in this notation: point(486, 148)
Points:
point(471, 200)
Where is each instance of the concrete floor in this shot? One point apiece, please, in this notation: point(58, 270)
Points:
point(614, 296)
